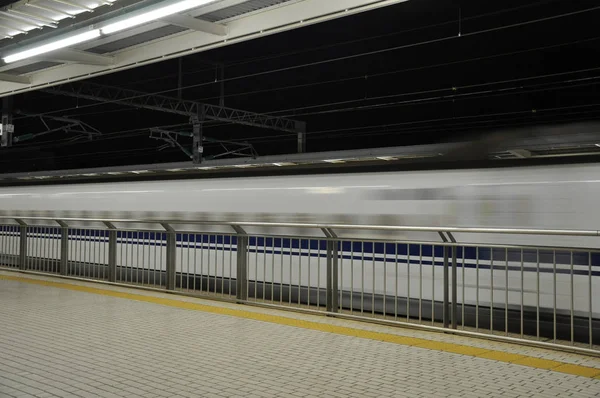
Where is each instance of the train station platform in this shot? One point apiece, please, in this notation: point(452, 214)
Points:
point(66, 338)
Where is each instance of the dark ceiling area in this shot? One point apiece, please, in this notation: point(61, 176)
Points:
point(420, 72)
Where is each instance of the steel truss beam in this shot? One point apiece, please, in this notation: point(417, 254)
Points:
point(137, 99)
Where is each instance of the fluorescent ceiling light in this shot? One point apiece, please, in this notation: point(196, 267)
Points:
point(154, 15)
point(111, 28)
point(69, 41)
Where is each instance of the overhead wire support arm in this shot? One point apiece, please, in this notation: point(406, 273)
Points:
point(137, 99)
point(167, 136)
point(67, 125)
point(233, 148)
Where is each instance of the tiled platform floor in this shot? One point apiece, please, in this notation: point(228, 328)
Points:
point(75, 339)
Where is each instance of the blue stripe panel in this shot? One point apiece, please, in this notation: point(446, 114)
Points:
point(88, 232)
point(206, 238)
point(130, 235)
point(363, 251)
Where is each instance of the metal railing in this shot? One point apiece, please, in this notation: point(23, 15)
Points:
point(526, 293)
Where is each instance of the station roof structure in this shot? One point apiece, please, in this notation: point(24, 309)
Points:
point(208, 24)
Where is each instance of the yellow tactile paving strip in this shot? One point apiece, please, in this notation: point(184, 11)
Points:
point(500, 356)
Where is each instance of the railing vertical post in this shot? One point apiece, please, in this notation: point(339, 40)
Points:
point(64, 250)
point(445, 309)
point(171, 259)
point(112, 255)
point(22, 245)
point(241, 281)
point(112, 251)
point(332, 276)
point(454, 314)
point(171, 256)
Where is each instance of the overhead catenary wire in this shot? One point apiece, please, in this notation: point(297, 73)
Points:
point(246, 61)
point(453, 96)
point(374, 75)
point(539, 114)
point(491, 118)
point(349, 57)
point(404, 70)
point(293, 111)
point(322, 136)
point(482, 93)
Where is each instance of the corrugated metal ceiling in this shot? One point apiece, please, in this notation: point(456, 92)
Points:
point(215, 16)
point(241, 9)
point(21, 17)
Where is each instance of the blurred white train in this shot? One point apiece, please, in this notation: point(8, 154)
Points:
point(545, 197)
point(549, 197)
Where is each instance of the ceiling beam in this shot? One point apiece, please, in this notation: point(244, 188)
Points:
point(7, 77)
point(78, 57)
point(198, 25)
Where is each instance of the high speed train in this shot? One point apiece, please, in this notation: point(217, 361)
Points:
point(556, 197)
point(545, 197)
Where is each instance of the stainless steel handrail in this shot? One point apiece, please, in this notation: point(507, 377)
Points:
point(390, 228)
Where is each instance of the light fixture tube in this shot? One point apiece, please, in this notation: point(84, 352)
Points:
point(46, 48)
point(111, 28)
point(154, 15)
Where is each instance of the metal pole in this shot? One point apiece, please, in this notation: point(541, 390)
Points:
point(445, 307)
point(64, 250)
point(197, 136)
point(332, 276)
point(241, 281)
point(301, 127)
point(171, 258)
point(197, 148)
point(454, 289)
point(112, 255)
point(23, 247)
point(6, 136)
